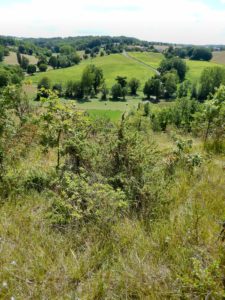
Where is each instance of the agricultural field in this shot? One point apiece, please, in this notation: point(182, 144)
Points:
point(112, 66)
point(12, 59)
point(219, 57)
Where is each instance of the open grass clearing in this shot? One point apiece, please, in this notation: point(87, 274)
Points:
point(12, 59)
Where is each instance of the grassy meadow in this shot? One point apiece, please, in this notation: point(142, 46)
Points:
point(113, 110)
point(195, 68)
point(118, 64)
point(149, 58)
point(112, 66)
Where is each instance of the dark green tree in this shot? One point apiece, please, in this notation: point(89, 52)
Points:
point(201, 53)
point(4, 78)
point(134, 84)
point(24, 63)
point(174, 63)
point(53, 62)
point(92, 79)
point(43, 67)
point(211, 78)
point(153, 87)
point(105, 92)
point(31, 69)
point(170, 81)
point(1, 53)
point(116, 91)
point(122, 80)
point(19, 57)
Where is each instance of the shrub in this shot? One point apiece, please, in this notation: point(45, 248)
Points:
point(134, 85)
point(104, 92)
point(45, 82)
point(37, 180)
point(74, 89)
point(80, 202)
point(57, 87)
point(4, 78)
point(31, 69)
point(24, 63)
point(116, 91)
point(43, 67)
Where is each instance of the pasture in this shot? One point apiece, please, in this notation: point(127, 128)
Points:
point(149, 58)
point(118, 64)
point(195, 69)
point(112, 66)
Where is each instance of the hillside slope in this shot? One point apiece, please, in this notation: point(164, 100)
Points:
point(112, 66)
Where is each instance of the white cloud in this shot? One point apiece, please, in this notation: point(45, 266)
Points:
point(188, 21)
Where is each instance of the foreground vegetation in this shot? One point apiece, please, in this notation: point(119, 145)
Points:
point(97, 210)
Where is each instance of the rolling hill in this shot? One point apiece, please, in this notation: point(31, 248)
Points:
point(112, 66)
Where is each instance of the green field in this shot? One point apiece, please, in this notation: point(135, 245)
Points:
point(109, 105)
point(195, 68)
point(113, 110)
point(113, 115)
point(149, 58)
point(118, 64)
point(112, 66)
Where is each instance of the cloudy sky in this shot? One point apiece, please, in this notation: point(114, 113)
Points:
point(179, 21)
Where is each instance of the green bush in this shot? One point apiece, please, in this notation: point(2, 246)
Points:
point(79, 201)
point(37, 180)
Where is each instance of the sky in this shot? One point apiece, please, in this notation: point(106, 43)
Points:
point(175, 21)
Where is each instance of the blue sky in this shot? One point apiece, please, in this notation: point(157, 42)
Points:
point(179, 21)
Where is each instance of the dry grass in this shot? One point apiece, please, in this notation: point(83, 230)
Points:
point(12, 59)
point(219, 57)
point(130, 262)
point(38, 262)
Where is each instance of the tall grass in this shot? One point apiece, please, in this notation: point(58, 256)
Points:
point(179, 255)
